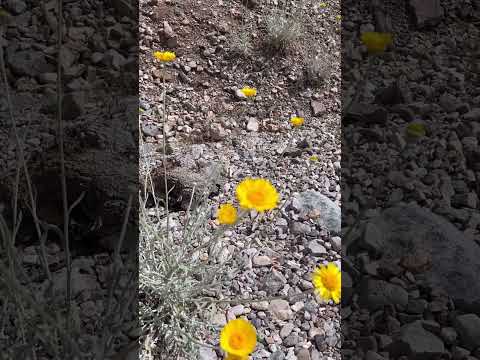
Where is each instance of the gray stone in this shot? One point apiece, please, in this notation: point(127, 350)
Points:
point(277, 355)
point(16, 6)
point(415, 231)
point(122, 7)
point(472, 115)
point(375, 294)
point(318, 108)
point(150, 130)
point(316, 249)
point(253, 125)
point(286, 330)
point(427, 12)
point(468, 328)
point(448, 102)
point(299, 228)
point(28, 62)
point(82, 283)
point(373, 239)
point(47, 78)
point(417, 306)
point(280, 309)
point(73, 105)
point(237, 310)
point(367, 113)
point(336, 242)
point(303, 354)
point(261, 260)
point(291, 340)
point(219, 319)
point(414, 341)
point(459, 353)
point(206, 353)
point(449, 335)
point(330, 213)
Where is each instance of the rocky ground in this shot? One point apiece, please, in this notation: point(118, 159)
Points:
point(208, 122)
point(409, 279)
point(99, 49)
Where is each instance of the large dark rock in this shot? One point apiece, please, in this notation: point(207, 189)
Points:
point(415, 342)
point(409, 232)
point(426, 12)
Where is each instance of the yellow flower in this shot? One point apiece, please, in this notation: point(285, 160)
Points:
point(297, 121)
point(313, 158)
point(338, 17)
point(3, 12)
point(323, 5)
point(238, 339)
point(249, 92)
point(327, 281)
point(416, 130)
point(258, 194)
point(376, 42)
point(165, 56)
point(227, 214)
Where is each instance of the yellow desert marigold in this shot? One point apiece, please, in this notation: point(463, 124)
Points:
point(258, 194)
point(313, 158)
point(165, 56)
point(4, 13)
point(238, 339)
point(227, 214)
point(327, 280)
point(416, 130)
point(297, 121)
point(249, 92)
point(376, 42)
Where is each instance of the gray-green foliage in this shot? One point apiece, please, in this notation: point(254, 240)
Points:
point(179, 264)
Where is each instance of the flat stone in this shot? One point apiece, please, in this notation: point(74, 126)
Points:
point(253, 125)
point(206, 353)
point(427, 12)
point(291, 340)
point(316, 249)
point(318, 108)
point(261, 260)
point(28, 62)
point(303, 354)
point(468, 328)
point(286, 330)
point(375, 294)
point(280, 309)
point(414, 341)
point(410, 232)
point(367, 113)
point(472, 115)
point(329, 212)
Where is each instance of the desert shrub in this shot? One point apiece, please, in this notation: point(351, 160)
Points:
point(179, 264)
point(282, 30)
point(317, 70)
point(240, 43)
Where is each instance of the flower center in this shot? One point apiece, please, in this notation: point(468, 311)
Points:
point(256, 197)
point(236, 341)
point(329, 281)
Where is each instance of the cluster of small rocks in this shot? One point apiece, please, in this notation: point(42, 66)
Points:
point(91, 280)
point(99, 48)
point(410, 206)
